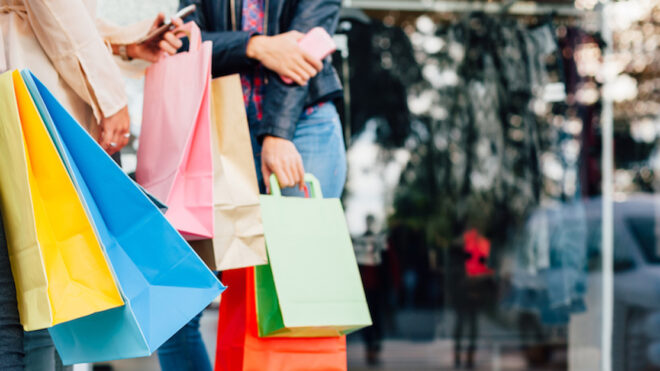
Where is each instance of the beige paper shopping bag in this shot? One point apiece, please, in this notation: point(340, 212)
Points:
point(238, 231)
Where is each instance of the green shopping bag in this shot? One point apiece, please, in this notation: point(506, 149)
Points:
point(312, 286)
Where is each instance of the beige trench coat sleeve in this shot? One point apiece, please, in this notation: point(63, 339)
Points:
point(118, 35)
point(67, 33)
point(129, 34)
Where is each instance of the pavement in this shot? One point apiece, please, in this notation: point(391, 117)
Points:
point(397, 354)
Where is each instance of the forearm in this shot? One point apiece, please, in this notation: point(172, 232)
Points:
point(229, 51)
point(67, 33)
point(283, 105)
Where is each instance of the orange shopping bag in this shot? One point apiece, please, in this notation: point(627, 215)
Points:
point(241, 349)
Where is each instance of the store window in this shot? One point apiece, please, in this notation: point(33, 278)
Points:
point(477, 188)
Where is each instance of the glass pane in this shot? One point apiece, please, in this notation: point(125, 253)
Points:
point(475, 184)
point(633, 89)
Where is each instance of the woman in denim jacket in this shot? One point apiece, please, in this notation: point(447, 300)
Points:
point(294, 127)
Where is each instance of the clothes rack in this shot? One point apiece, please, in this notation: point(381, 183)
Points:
point(457, 6)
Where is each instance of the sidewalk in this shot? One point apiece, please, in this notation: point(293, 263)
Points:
point(397, 355)
point(402, 355)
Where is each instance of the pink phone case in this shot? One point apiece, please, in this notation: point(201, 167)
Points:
point(318, 43)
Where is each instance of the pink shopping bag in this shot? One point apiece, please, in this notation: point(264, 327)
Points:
point(174, 156)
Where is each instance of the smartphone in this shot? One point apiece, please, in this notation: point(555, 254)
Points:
point(167, 25)
point(317, 43)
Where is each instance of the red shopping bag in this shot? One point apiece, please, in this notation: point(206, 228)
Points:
point(174, 157)
point(241, 349)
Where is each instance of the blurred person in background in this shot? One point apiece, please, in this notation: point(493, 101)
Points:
point(70, 51)
point(474, 290)
point(369, 251)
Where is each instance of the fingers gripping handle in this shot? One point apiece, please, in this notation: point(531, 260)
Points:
point(315, 188)
point(275, 185)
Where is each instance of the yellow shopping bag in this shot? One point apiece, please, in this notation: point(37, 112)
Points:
point(78, 279)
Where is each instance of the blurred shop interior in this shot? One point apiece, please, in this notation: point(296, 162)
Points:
point(475, 178)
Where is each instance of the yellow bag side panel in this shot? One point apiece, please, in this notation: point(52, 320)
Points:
point(24, 254)
point(80, 280)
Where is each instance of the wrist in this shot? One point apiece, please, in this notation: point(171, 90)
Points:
point(131, 51)
point(126, 51)
point(273, 140)
point(254, 45)
point(267, 138)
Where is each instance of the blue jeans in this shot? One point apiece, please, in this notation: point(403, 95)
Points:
point(319, 139)
point(185, 351)
point(40, 353)
point(11, 331)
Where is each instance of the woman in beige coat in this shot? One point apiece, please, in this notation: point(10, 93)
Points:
point(70, 52)
point(64, 45)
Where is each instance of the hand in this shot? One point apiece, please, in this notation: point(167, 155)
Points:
point(282, 55)
point(115, 131)
point(151, 50)
point(281, 157)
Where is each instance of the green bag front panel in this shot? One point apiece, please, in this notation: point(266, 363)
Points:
point(268, 307)
point(270, 320)
point(313, 274)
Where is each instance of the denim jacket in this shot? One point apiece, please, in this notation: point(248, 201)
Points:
point(219, 21)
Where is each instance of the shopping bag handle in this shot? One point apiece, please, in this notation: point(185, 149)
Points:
point(194, 35)
point(315, 188)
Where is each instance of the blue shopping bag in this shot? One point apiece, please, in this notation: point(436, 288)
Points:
point(163, 282)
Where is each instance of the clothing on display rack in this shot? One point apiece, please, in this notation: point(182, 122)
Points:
point(485, 134)
point(504, 147)
point(382, 66)
point(550, 273)
point(486, 107)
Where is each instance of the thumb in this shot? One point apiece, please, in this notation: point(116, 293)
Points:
point(160, 18)
point(265, 172)
point(99, 134)
point(177, 22)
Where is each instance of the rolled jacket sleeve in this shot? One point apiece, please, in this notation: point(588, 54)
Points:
point(118, 35)
point(229, 47)
point(67, 32)
point(283, 104)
